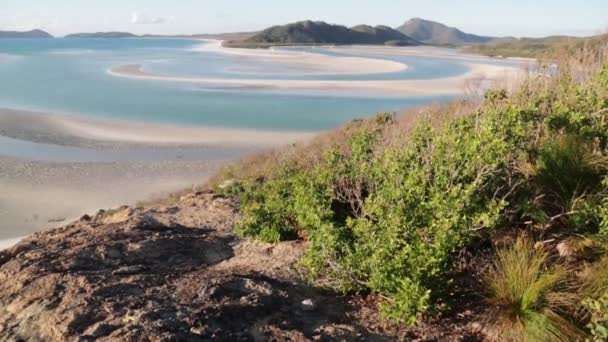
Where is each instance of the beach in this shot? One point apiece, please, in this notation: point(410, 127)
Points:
point(8, 243)
point(77, 130)
point(481, 70)
point(56, 166)
point(307, 63)
point(439, 86)
point(39, 193)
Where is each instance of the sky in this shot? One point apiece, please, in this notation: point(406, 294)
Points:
point(531, 18)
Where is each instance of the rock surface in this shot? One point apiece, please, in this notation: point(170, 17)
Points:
point(172, 273)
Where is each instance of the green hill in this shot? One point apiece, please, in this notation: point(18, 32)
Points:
point(431, 32)
point(316, 32)
point(25, 34)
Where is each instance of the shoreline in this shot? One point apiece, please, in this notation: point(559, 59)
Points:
point(39, 195)
point(73, 130)
point(8, 243)
point(440, 86)
point(31, 188)
point(481, 70)
point(317, 64)
point(184, 157)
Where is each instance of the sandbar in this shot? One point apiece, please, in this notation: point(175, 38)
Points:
point(77, 130)
point(307, 62)
point(401, 88)
point(39, 194)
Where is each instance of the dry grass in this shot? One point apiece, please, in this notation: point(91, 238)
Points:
point(530, 297)
point(596, 279)
point(306, 155)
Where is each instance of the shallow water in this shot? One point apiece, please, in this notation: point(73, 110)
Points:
point(47, 181)
point(70, 76)
point(28, 150)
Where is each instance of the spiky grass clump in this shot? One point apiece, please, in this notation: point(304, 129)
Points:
point(530, 298)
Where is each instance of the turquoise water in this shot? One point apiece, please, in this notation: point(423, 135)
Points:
point(69, 76)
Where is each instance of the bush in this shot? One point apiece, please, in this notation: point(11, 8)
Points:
point(386, 209)
point(530, 298)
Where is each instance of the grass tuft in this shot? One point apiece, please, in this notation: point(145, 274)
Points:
point(531, 299)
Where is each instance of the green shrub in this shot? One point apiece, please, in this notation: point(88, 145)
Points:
point(390, 218)
point(530, 298)
point(268, 213)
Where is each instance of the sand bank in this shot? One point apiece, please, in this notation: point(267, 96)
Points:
point(41, 195)
point(481, 70)
point(440, 86)
point(38, 194)
point(74, 130)
point(306, 62)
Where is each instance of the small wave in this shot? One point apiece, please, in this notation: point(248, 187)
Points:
point(158, 61)
point(71, 52)
point(229, 88)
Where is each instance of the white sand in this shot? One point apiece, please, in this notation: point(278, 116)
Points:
point(439, 86)
point(311, 63)
point(8, 243)
point(482, 70)
point(46, 195)
point(61, 127)
point(38, 195)
point(116, 130)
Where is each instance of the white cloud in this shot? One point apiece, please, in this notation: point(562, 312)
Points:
point(139, 18)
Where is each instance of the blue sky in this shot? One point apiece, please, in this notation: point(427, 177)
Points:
point(490, 17)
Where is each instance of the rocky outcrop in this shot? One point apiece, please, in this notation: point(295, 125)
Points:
point(171, 273)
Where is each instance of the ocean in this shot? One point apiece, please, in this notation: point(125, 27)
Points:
point(70, 76)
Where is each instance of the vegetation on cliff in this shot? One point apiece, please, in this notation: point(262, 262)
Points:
point(406, 207)
point(541, 48)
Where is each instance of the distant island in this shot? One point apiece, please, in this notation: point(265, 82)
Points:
point(413, 32)
point(102, 35)
point(318, 32)
point(25, 34)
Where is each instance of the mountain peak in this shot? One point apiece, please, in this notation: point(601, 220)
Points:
point(432, 32)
